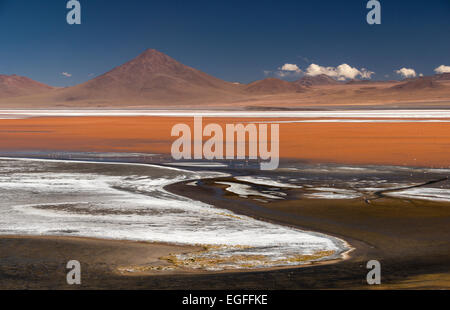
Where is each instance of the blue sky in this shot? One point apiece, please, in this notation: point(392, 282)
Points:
point(233, 40)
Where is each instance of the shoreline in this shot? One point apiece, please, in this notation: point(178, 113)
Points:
point(339, 256)
point(150, 263)
point(343, 273)
point(404, 270)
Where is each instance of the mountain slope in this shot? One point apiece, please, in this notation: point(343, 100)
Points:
point(423, 83)
point(273, 86)
point(442, 77)
point(15, 86)
point(321, 79)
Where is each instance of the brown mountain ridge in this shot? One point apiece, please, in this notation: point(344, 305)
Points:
point(15, 86)
point(154, 79)
point(320, 79)
point(273, 86)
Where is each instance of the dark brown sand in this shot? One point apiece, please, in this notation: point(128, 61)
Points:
point(411, 239)
point(40, 262)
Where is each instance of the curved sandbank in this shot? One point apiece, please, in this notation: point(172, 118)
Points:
point(128, 202)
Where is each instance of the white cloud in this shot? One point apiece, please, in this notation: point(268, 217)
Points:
point(341, 72)
point(344, 72)
point(442, 69)
point(314, 70)
point(406, 73)
point(288, 71)
point(66, 74)
point(290, 68)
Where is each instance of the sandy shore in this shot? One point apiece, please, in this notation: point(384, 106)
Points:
point(38, 262)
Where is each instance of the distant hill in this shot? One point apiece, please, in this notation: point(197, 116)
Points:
point(273, 86)
point(442, 77)
point(321, 79)
point(15, 86)
point(360, 82)
point(418, 84)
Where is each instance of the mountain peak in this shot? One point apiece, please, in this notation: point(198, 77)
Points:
point(152, 75)
point(152, 53)
point(150, 62)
